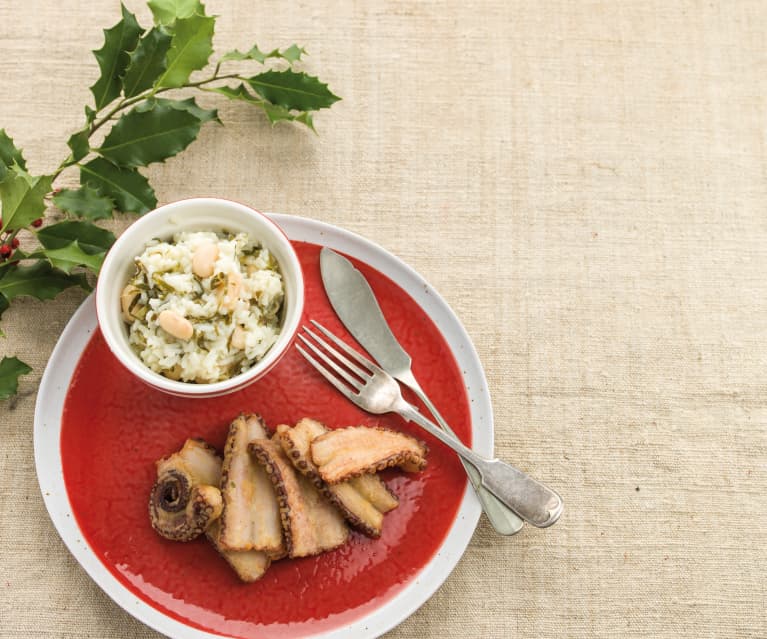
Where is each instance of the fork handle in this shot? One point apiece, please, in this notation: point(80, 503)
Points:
point(531, 500)
point(501, 517)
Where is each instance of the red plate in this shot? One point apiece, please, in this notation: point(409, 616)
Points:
point(113, 428)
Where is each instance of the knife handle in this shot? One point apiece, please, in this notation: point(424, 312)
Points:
point(537, 504)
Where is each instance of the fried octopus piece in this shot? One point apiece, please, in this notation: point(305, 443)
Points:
point(362, 500)
point(312, 525)
point(251, 517)
point(250, 565)
point(185, 499)
point(345, 453)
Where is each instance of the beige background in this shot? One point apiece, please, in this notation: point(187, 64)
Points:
point(585, 184)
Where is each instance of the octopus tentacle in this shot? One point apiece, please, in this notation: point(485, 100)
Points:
point(362, 501)
point(345, 453)
point(250, 565)
point(311, 524)
point(251, 517)
point(185, 499)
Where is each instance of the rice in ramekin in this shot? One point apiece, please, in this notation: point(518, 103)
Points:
point(233, 305)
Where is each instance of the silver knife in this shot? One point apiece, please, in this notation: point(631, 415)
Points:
point(355, 304)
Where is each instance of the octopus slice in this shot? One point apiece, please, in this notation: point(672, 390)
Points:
point(362, 500)
point(250, 565)
point(185, 499)
point(344, 453)
point(251, 517)
point(311, 524)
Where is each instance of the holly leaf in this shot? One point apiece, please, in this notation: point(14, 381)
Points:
point(127, 187)
point(190, 49)
point(11, 368)
point(4, 304)
point(39, 280)
point(79, 144)
point(22, 198)
point(238, 93)
point(293, 90)
point(274, 112)
point(91, 238)
point(292, 54)
point(151, 135)
point(147, 62)
point(68, 257)
point(306, 119)
point(189, 105)
point(9, 154)
point(113, 57)
point(166, 12)
point(84, 202)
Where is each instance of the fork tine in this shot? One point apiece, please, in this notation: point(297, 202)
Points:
point(346, 348)
point(340, 386)
point(355, 383)
point(334, 352)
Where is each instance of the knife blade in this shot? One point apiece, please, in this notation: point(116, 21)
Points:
point(354, 302)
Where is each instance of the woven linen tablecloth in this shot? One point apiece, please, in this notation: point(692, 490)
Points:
point(586, 184)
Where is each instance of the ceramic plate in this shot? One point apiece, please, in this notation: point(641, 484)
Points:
point(98, 432)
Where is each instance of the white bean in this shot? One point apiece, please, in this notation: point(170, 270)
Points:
point(232, 293)
point(178, 326)
point(204, 259)
point(238, 338)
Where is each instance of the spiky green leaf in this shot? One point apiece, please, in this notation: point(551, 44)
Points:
point(79, 144)
point(166, 12)
point(113, 58)
point(9, 154)
point(274, 112)
point(189, 105)
point(84, 202)
point(22, 198)
point(292, 54)
point(4, 304)
point(39, 280)
point(147, 62)
point(11, 368)
point(239, 92)
point(191, 47)
point(306, 119)
point(129, 190)
point(293, 90)
point(68, 257)
point(153, 135)
point(91, 238)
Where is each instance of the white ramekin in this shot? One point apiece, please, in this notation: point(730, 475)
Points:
point(196, 214)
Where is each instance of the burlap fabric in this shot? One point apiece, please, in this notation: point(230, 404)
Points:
point(584, 182)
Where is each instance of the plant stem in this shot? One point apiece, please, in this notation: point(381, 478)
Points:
point(127, 102)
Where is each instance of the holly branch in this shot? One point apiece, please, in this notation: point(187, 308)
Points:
point(141, 70)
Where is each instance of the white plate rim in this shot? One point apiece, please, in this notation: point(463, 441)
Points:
point(66, 354)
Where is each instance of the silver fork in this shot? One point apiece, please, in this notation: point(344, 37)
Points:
point(375, 391)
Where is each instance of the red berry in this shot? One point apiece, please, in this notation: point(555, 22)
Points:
point(15, 243)
point(5, 250)
point(38, 223)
